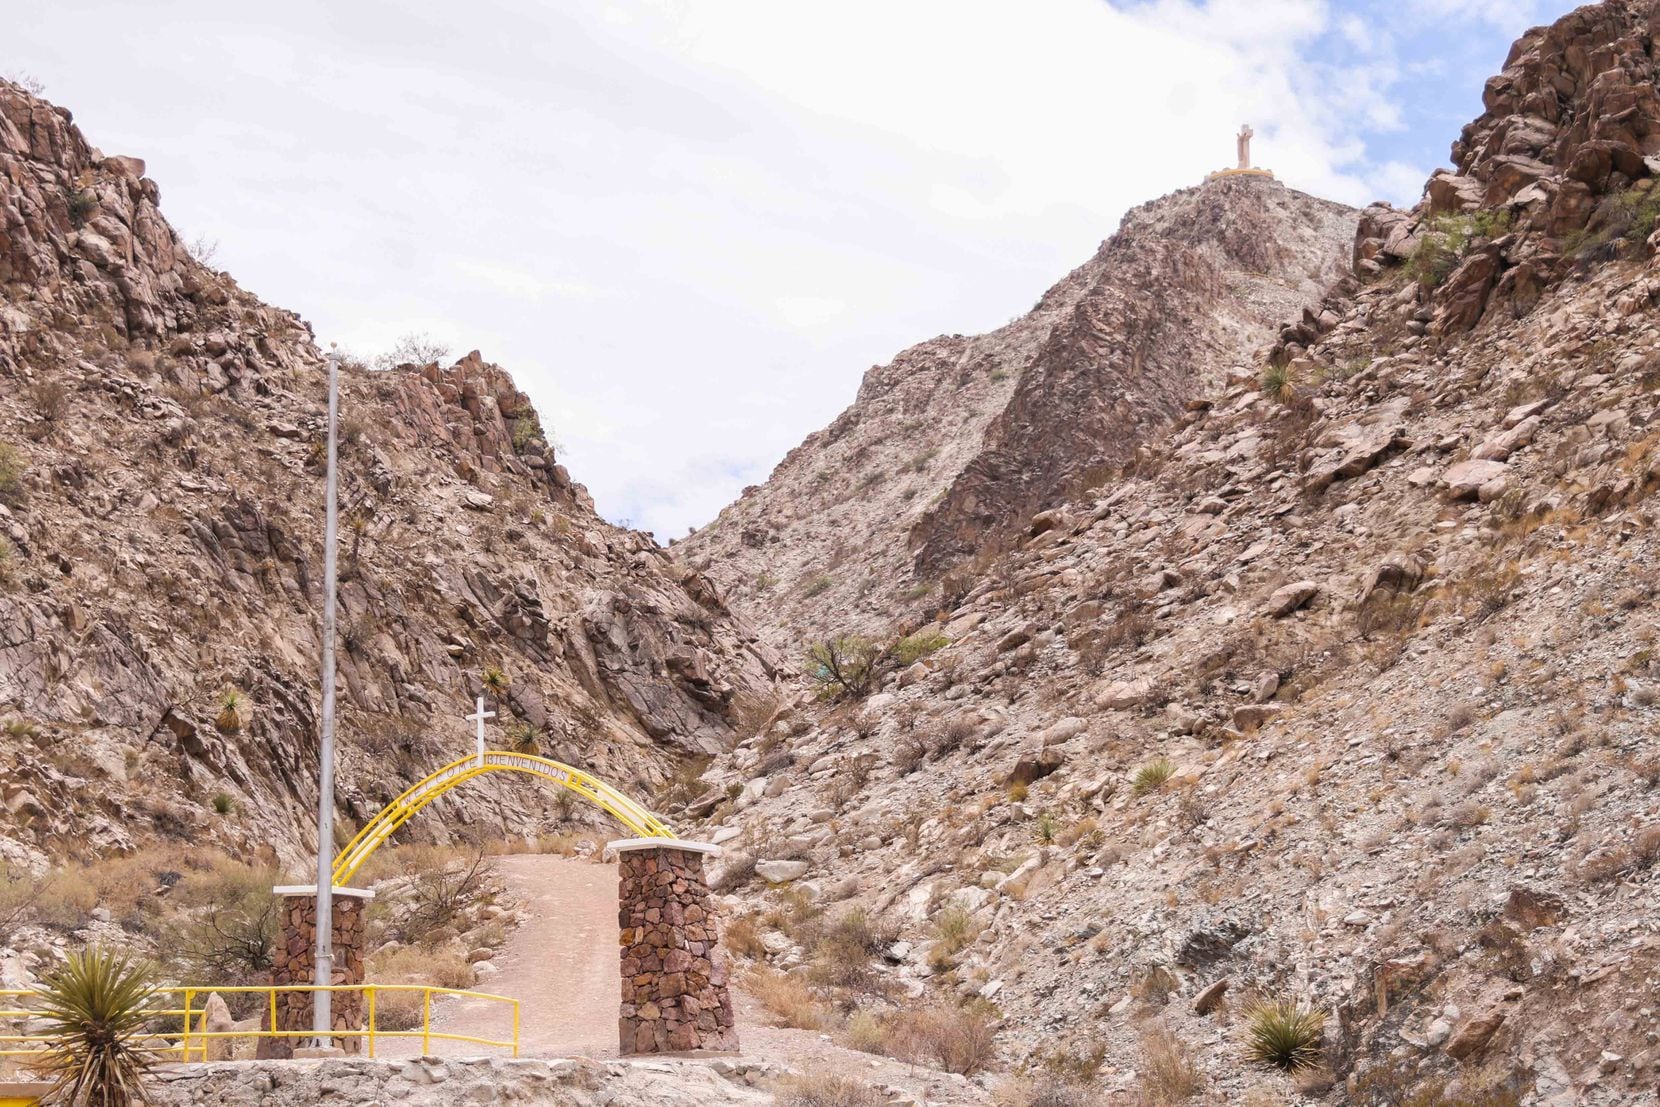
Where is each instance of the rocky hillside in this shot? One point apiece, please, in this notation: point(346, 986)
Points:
point(959, 436)
point(161, 447)
point(1344, 695)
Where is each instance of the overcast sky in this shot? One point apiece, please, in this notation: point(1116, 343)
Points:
point(689, 226)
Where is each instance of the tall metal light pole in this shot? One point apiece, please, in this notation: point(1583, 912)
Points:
point(322, 1008)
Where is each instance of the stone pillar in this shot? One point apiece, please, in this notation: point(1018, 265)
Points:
point(294, 962)
point(674, 989)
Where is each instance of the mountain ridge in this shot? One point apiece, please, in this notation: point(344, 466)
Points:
point(946, 447)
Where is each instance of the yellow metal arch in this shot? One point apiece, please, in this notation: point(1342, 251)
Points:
point(631, 814)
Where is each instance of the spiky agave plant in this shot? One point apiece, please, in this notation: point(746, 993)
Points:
point(95, 1008)
point(1284, 1034)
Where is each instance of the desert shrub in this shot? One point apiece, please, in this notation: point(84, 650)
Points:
point(82, 203)
point(401, 1009)
point(913, 647)
point(1018, 791)
point(1045, 827)
point(1128, 630)
point(1168, 1073)
point(1446, 240)
point(790, 999)
point(849, 666)
point(232, 933)
point(1284, 1034)
point(28, 82)
point(12, 468)
point(1399, 1083)
point(736, 870)
point(440, 891)
point(743, 937)
point(224, 803)
point(957, 1039)
point(415, 348)
point(1621, 219)
point(844, 948)
point(818, 586)
point(953, 735)
point(19, 889)
point(909, 752)
point(51, 399)
point(1049, 1092)
point(824, 1090)
point(954, 929)
point(1153, 775)
point(1625, 859)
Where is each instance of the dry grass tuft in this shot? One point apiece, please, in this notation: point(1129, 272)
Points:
point(1168, 1072)
point(790, 999)
point(819, 1089)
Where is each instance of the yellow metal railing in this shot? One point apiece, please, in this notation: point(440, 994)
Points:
point(183, 1035)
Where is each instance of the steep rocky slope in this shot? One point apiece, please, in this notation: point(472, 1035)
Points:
point(161, 445)
point(957, 437)
point(1346, 692)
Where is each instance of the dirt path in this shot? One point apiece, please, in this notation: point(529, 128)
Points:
point(563, 966)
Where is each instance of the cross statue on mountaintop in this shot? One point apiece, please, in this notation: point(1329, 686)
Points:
point(1245, 135)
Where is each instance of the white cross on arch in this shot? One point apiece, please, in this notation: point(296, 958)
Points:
point(479, 718)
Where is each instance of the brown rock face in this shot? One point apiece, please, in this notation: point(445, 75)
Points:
point(674, 975)
point(161, 439)
point(951, 447)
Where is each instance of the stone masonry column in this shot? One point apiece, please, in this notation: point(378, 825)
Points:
point(294, 962)
point(674, 989)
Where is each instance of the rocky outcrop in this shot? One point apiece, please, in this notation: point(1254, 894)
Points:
point(161, 440)
point(1556, 173)
point(953, 445)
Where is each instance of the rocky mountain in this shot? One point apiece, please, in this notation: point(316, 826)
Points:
point(161, 447)
point(1345, 695)
point(959, 437)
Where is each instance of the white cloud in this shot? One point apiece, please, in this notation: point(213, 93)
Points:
point(522, 283)
point(808, 312)
point(687, 226)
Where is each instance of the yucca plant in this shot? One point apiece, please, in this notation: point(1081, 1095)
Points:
point(1152, 776)
point(1284, 1034)
point(232, 706)
point(95, 1008)
point(495, 681)
point(1277, 383)
point(521, 738)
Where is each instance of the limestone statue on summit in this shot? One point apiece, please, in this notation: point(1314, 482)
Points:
point(1245, 136)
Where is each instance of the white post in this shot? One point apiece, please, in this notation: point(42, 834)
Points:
point(480, 716)
point(322, 1007)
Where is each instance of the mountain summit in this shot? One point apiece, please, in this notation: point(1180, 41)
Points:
point(953, 445)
